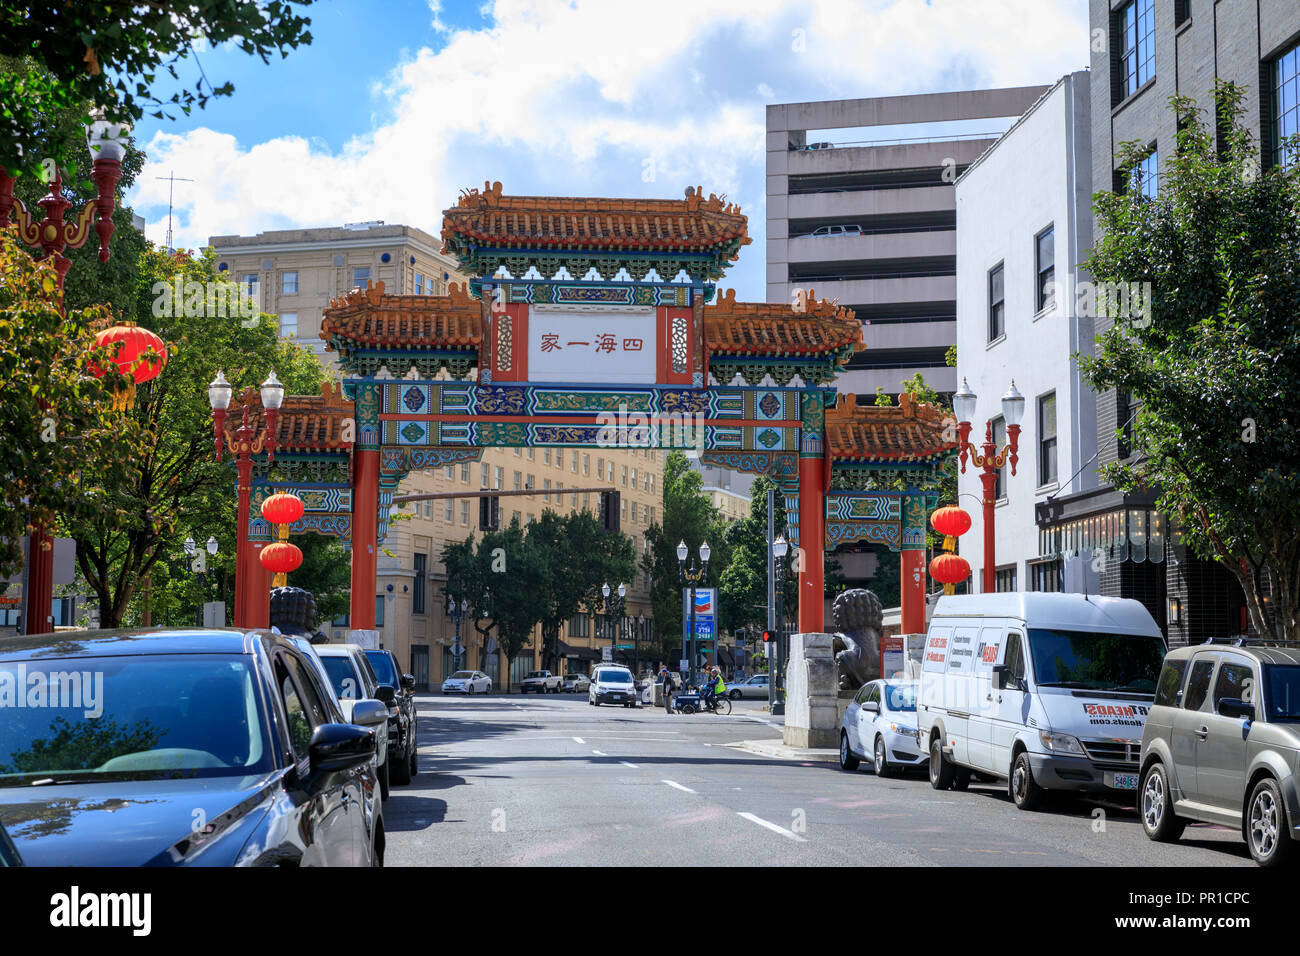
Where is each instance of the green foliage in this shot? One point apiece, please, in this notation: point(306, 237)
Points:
point(85, 745)
point(1215, 365)
point(883, 398)
point(109, 53)
point(742, 585)
point(501, 579)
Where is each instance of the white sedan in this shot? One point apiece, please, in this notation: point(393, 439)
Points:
point(467, 682)
point(880, 726)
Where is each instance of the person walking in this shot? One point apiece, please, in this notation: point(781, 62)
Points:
point(667, 679)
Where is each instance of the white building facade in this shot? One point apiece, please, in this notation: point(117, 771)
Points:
point(1024, 222)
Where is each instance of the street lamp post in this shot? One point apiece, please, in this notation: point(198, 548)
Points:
point(775, 702)
point(54, 236)
point(199, 565)
point(992, 459)
point(244, 442)
point(636, 641)
point(617, 615)
point(694, 575)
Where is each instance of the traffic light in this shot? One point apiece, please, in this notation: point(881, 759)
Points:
point(768, 637)
point(610, 503)
point(489, 514)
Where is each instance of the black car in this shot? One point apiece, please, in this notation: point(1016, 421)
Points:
point(197, 747)
point(403, 744)
point(8, 852)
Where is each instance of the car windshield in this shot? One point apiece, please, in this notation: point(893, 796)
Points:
point(122, 718)
point(537, 674)
point(1282, 682)
point(342, 676)
point(463, 675)
point(900, 697)
point(385, 672)
point(615, 677)
point(1090, 661)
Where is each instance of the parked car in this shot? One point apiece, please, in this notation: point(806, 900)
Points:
point(837, 231)
point(402, 723)
point(755, 687)
point(1227, 755)
point(8, 852)
point(467, 682)
point(1046, 691)
point(576, 683)
point(214, 747)
point(354, 681)
point(880, 725)
point(612, 684)
point(541, 682)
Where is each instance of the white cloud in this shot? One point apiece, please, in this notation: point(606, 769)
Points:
point(583, 98)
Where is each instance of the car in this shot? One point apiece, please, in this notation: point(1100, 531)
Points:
point(612, 684)
point(8, 852)
point(836, 231)
point(207, 747)
point(880, 725)
point(542, 682)
point(467, 682)
point(402, 722)
point(1221, 744)
point(755, 687)
point(353, 680)
point(576, 683)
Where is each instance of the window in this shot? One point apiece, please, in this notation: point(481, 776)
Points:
point(379, 610)
point(1182, 12)
point(1015, 658)
point(300, 727)
point(360, 276)
point(1198, 685)
point(519, 481)
point(1047, 439)
point(624, 474)
point(997, 303)
point(634, 478)
point(428, 509)
point(1045, 576)
point(464, 473)
point(419, 284)
point(501, 478)
point(288, 325)
point(1137, 44)
point(1126, 415)
point(450, 472)
point(288, 283)
point(546, 456)
point(417, 594)
point(484, 475)
point(450, 511)
point(1170, 683)
point(559, 458)
point(464, 512)
point(514, 517)
point(249, 284)
point(1286, 105)
point(1235, 680)
point(600, 468)
point(1004, 579)
point(1045, 267)
point(517, 451)
point(530, 454)
point(999, 439)
point(573, 462)
point(1147, 176)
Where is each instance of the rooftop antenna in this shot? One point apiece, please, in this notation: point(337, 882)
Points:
point(172, 180)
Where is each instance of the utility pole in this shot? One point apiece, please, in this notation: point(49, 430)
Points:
point(172, 180)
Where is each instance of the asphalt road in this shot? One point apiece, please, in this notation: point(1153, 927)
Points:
point(550, 780)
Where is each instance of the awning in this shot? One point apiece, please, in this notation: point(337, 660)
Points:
point(1123, 526)
point(579, 653)
point(725, 657)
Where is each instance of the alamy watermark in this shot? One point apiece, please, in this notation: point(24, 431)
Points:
point(59, 690)
point(211, 300)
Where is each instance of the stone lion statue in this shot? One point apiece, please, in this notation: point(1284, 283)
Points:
point(293, 611)
point(856, 645)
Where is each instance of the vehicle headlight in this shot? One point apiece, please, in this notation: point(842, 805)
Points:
point(1061, 743)
point(903, 729)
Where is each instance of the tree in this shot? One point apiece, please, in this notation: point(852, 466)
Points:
point(109, 53)
point(742, 584)
point(1213, 360)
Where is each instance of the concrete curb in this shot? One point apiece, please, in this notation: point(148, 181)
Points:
point(768, 748)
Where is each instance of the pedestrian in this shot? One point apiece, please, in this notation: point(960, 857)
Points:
point(667, 679)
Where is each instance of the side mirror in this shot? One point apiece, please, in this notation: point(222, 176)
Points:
point(369, 713)
point(408, 682)
point(1236, 707)
point(386, 693)
point(336, 747)
point(871, 706)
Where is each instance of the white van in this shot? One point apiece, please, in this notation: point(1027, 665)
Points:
point(1047, 691)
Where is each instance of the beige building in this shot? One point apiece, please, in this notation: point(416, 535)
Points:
point(730, 505)
point(294, 273)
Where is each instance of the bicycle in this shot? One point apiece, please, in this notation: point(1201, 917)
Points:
point(692, 702)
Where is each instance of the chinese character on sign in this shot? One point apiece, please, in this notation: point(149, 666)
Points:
point(550, 342)
point(577, 343)
point(631, 345)
point(606, 343)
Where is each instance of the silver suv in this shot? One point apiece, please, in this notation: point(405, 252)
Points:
point(1221, 744)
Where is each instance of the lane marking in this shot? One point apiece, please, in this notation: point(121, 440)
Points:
point(600, 753)
point(772, 826)
point(632, 765)
point(673, 783)
point(579, 740)
point(762, 721)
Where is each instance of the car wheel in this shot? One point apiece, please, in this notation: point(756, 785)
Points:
point(961, 779)
point(688, 708)
point(941, 769)
point(383, 780)
point(880, 759)
point(847, 760)
point(734, 695)
point(402, 771)
point(1025, 791)
point(1267, 831)
point(415, 758)
point(1156, 806)
point(596, 702)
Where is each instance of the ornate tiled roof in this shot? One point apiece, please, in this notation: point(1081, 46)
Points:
point(693, 224)
point(909, 431)
point(369, 318)
point(306, 423)
point(775, 329)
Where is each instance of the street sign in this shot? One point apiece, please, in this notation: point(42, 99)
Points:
point(625, 647)
point(607, 653)
point(683, 665)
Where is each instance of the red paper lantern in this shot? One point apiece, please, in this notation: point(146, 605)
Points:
point(140, 354)
point(281, 557)
point(282, 508)
point(950, 521)
point(949, 569)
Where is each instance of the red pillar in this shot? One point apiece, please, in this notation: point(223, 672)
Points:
point(989, 478)
point(245, 570)
point(911, 587)
point(365, 531)
point(812, 544)
point(38, 597)
point(259, 588)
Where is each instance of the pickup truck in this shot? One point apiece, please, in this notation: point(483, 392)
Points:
point(542, 682)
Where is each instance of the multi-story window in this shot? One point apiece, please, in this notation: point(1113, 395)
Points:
point(484, 474)
point(288, 283)
point(1137, 44)
point(464, 512)
point(530, 454)
point(1004, 579)
point(288, 325)
point(360, 276)
point(1047, 438)
point(546, 484)
point(546, 456)
point(573, 462)
point(999, 438)
point(1286, 105)
point(625, 476)
point(634, 478)
point(997, 302)
point(586, 463)
point(519, 481)
point(501, 478)
point(417, 591)
point(428, 509)
point(559, 458)
point(464, 473)
point(600, 468)
point(1147, 175)
point(449, 511)
point(1045, 267)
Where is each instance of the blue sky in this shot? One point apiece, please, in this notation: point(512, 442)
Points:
point(398, 105)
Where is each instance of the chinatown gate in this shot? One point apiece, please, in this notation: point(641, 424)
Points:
point(595, 323)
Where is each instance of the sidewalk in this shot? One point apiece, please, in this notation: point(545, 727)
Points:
point(774, 748)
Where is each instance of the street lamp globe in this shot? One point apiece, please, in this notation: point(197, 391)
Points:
point(705, 552)
point(604, 590)
point(212, 545)
point(104, 138)
point(1013, 405)
point(189, 546)
point(219, 393)
point(272, 393)
point(622, 591)
point(963, 403)
point(780, 546)
point(682, 551)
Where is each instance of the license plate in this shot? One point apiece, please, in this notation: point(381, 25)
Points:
point(1122, 781)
